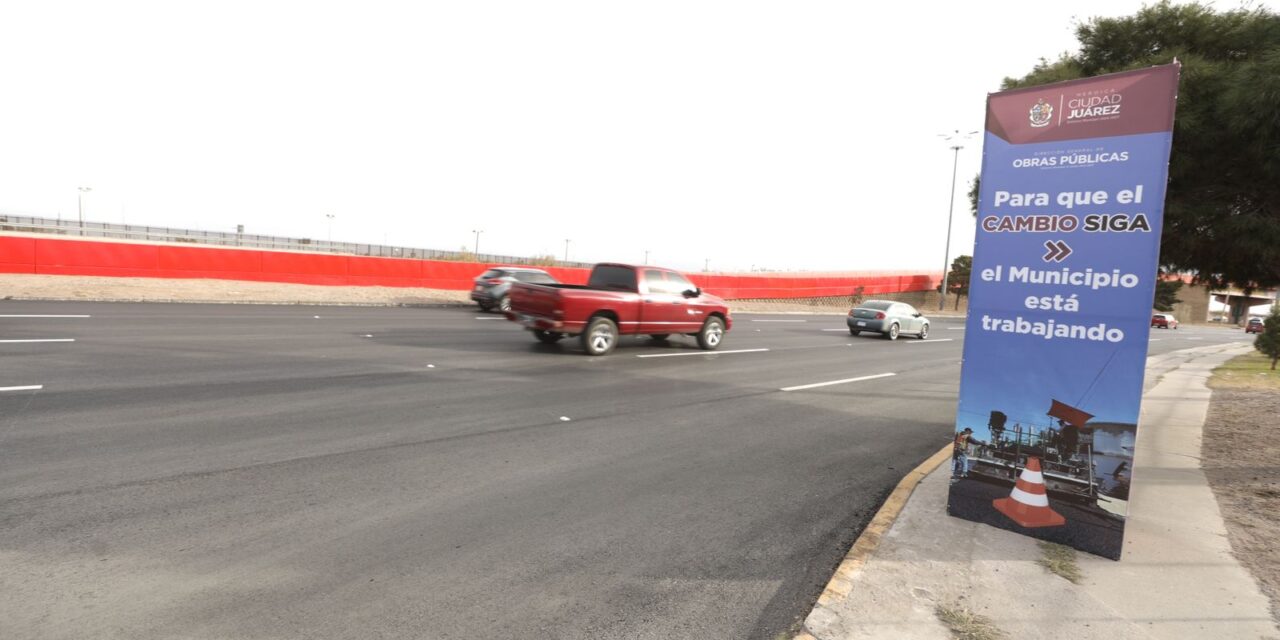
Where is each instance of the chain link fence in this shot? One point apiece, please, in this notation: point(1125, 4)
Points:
point(74, 228)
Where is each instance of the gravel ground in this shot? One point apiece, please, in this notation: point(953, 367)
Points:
point(1241, 457)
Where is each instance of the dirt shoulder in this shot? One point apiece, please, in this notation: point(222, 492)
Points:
point(1241, 457)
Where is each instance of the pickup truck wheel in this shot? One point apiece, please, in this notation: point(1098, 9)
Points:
point(660, 337)
point(712, 333)
point(547, 337)
point(504, 304)
point(600, 337)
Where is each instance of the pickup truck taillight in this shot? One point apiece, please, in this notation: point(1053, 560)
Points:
point(879, 315)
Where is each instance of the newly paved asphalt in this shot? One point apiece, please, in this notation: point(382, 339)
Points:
point(207, 471)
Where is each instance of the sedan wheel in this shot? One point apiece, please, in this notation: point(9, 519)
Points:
point(854, 332)
point(924, 331)
point(892, 334)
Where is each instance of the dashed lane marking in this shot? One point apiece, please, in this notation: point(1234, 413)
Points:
point(42, 316)
point(488, 318)
point(779, 320)
point(934, 340)
point(30, 387)
point(40, 340)
point(697, 353)
point(845, 381)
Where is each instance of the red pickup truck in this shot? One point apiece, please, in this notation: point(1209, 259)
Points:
point(620, 299)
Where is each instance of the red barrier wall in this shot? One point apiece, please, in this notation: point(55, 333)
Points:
point(23, 254)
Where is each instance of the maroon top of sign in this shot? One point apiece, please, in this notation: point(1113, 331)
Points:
point(1118, 104)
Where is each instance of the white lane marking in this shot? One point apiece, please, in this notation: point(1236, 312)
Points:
point(1195, 338)
point(779, 320)
point(1155, 339)
point(488, 318)
point(845, 381)
point(697, 353)
point(31, 387)
point(564, 418)
point(42, 316)
point(934, 340)
point(41, 340)
point(835, 329)
point(955, 328)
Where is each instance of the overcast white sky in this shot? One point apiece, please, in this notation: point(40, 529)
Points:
point(782, 135)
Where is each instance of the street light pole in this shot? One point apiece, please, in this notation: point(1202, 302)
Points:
point(946, 252)
point(566, 249)
point(477, 232)
point(646, 256)
point(80, 205)
point(330, 217)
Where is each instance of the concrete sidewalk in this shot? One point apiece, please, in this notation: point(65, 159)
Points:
point(1177, 577)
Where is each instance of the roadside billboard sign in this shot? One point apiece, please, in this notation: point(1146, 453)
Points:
point(1064, 269)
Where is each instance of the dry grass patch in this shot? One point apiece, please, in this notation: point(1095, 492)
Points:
point(1249, 371)
point(967, 625)
point(1060, 560)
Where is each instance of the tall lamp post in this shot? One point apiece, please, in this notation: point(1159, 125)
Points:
point(955, 137)
point(80, 205)
point(477, 232)
point(566, 249)
point(330, 217)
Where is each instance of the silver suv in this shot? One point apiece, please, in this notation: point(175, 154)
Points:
point(491, 287)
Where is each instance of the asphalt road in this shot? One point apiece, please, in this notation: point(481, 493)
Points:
point(209, 471)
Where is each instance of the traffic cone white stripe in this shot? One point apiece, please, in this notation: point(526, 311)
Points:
point(1029, 499)
point(1032, 476)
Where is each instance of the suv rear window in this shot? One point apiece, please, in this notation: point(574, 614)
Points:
point(492, 273)
point(534, 277)
point(612, 278)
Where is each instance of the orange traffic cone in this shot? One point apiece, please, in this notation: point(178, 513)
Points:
point(1028, 505)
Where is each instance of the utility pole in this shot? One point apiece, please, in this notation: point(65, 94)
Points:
point(946, 252)
point(477, 232)
point(646, 256)
point(566, 249)
point(706, 265)
point(80, 205)
point(330, 217)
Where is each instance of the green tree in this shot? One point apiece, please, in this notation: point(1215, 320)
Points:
point(958, 277)
point(1222, 210)
point(1268, 342)
point(1167, 294)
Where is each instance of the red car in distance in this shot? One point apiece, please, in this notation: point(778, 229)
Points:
point(1164, 321)
point(1254, 326)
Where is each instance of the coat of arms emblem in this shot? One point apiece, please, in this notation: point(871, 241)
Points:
point(1041, 114)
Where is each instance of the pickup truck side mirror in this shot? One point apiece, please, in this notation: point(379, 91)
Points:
point(692, 293)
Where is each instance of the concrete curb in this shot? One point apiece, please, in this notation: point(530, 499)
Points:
point(839, 586)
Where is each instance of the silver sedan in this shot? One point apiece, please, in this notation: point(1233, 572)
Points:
point(887, 318)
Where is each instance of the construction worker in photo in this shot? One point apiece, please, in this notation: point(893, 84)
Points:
point(960, 454)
